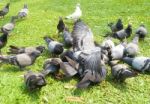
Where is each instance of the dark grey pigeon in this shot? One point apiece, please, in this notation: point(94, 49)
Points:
point(5, 10)
point(116, 27)
point(91, 70)
point(23, 12)
point(19, 50)
point(82, 37)
point(121, 72)
point(61, 25)
point(34, 80)
point(142, 32)
point(138, 63)
point(3, 40)
point(124, 33)
point(21, 60)
point(67, 38)
point(8, 27)
point(54, 46)
point(51, 66)
point(132, 48)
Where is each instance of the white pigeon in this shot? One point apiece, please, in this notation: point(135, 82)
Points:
point(23, 12)
point(76, 14)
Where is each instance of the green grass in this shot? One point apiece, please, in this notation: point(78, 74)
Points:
point(42, 20)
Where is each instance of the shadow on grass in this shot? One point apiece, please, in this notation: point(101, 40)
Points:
point(120, 86)
point(10, 68)
point(34, 95)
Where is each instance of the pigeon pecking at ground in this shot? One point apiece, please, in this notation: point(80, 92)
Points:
point(19, 50)
point(138, 63)
point(34, 80)
point(21, 60)
point(53, 46)
point(8, 27)
point(5, 10)
point(121, 72)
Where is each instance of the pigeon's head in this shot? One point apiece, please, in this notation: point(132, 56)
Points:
point(58, 49)
point(142, 25)
point(119, 20)
point(7, 5)
point(60, 18)
point(25, 6)
point(35, 54)
point(35, 81)
point(40, 48)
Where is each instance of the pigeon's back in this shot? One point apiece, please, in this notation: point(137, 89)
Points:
point(82, 37)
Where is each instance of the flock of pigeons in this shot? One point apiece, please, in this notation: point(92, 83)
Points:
point(84, 58)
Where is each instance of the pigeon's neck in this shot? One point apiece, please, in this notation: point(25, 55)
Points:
point(135, 40)
point(128, 60)
point(4, 36)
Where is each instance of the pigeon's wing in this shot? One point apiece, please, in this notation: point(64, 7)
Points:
point(82, 37)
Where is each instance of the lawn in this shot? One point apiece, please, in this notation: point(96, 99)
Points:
point(42, 20)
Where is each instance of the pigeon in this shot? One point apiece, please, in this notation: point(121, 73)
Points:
point(61, 25)
point(132, 48)
point(76, 14)
point(23, 12)
point(138, 63)
point(90, 68)
point(34, 80)
point(121, 72)
point(51, 66)
point(8, 27)
point(5, 10)
point(54, 46)
point(124, 33)
point(19, 50)
point(142, 32)
point(67, 38)
point(82, 37)
point(117, 52)
point(3, 40)
point(21, 60)
point(116, 27)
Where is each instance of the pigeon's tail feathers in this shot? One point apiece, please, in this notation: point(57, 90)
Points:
point(13, 50)
point(4, 59)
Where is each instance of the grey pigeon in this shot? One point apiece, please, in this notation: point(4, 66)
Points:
point(68, 53)
point(23, 12)
point(67, 37)
point(82, 37)
point(54, 46)
point(21, 60)
point(8, 27)
point(132, 48)
point(118, 51)
point(19, 50)
point(138, 63)
point(61, 25)
point(121, 72)
point(141, 31)
point(3, 40)
point(91, 70)
point(34, 80)
point(124, 33)
point(5, 10)
point(116, 27)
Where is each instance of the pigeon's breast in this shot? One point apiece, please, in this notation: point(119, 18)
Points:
point(24, 59)
point(52, 45)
